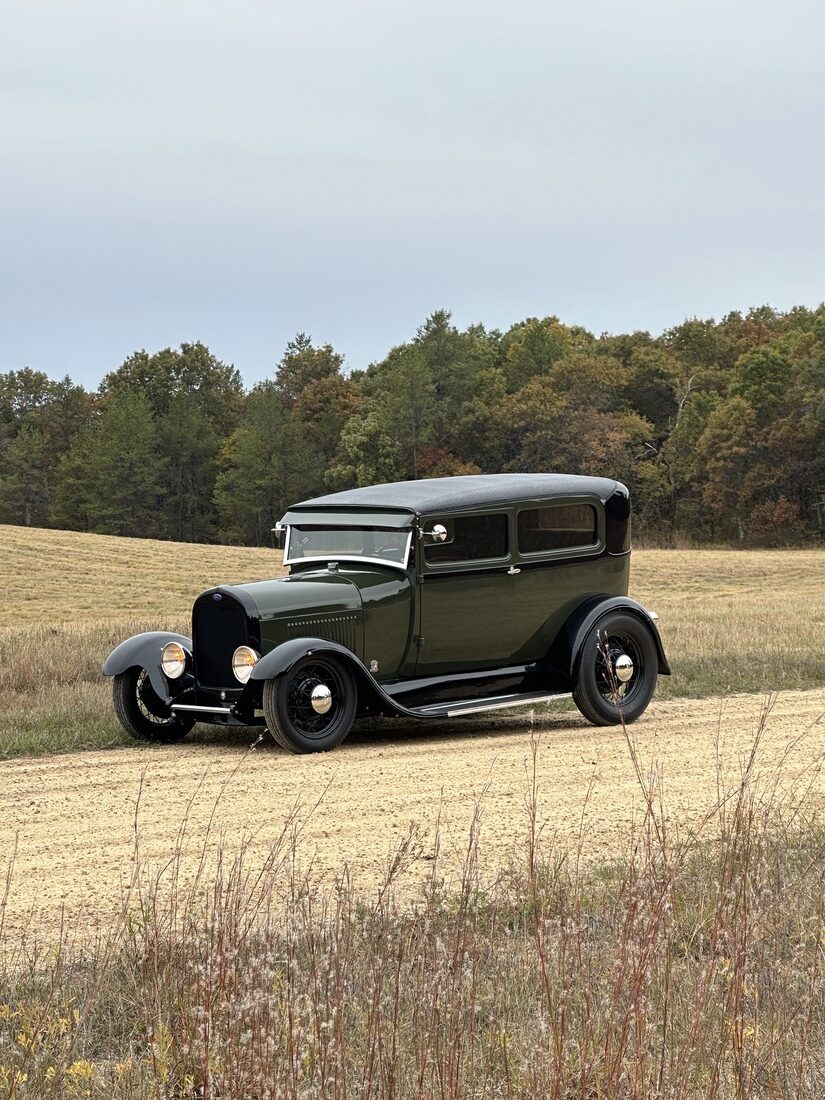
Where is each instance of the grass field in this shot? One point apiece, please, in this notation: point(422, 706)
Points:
point(678, 970)
point(687, 964)
point(732, 621)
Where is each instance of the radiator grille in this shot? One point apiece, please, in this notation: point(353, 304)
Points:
point(218, 628)
point(332, 628)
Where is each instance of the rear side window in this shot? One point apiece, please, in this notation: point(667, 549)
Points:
point(469, 538)
point(557, 527)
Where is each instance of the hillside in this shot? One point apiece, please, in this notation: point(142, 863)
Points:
point(65, 576)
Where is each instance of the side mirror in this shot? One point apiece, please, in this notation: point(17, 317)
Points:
point(278, 530)
point(438, 533)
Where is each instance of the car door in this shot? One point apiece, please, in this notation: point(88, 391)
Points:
point(465, 593)
point(559, 549)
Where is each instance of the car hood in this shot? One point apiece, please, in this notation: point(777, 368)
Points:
point(304, 593)
point(318, 590)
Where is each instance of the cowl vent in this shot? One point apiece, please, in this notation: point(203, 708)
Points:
point(332, 628)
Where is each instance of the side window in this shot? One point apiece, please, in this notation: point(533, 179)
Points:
point(556, 527)
point(469, 538)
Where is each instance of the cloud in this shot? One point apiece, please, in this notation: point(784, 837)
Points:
point(238, 172)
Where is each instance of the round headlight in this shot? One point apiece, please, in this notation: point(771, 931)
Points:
point(244, 660)
point(173, 660)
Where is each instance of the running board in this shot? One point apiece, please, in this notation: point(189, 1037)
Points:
point(434, 710)
point(475, 706)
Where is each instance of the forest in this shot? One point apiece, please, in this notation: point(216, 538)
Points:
point(717, 427)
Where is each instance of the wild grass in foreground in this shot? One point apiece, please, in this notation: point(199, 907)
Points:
point(685, 969)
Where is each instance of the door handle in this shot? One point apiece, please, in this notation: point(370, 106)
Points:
point(513, 570)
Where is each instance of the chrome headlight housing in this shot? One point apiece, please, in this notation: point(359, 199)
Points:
point(173, 660)
point(244, 660)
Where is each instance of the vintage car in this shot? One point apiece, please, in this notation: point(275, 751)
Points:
point(427, 599)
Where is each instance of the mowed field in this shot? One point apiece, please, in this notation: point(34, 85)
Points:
point(737, 626)
point(732, 621)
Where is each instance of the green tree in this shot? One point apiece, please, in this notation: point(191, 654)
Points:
point(22, 392)
point(531, 348)
point(187, 453)
point(589, 382)
point(38, 419)
point(261, 469)
point(701, 346)
point(24, 478)
point(109, 479)
point(303, 366)
point(408, 405)
point(718, 427)
point(368, 453)
point(761, 376)
point(652, 385)
point(451, 360)
point(193, 370)
point(477, 434)
point(725, 451)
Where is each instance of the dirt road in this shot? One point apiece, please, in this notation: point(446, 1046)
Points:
point(72, 817)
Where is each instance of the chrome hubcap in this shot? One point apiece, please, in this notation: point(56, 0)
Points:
point(321, 699)
point(619, 668)
point(624, 668)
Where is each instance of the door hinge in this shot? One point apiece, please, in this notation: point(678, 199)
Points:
point(418, 639)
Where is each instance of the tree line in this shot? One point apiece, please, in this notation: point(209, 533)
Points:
point(718, 428)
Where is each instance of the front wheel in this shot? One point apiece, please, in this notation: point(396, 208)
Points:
point(142, 713)
point(311, 707)
point(617, 671)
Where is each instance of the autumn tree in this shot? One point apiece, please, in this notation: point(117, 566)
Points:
point(718, 427)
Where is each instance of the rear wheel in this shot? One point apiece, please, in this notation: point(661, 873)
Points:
point(618, 670)
point(142, 713)
point(311, 707)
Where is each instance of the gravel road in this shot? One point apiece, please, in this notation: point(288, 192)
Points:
point(68, 821)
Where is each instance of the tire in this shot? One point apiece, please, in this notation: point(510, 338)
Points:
point(289, 714)
point(142, 714)
point(598, 693)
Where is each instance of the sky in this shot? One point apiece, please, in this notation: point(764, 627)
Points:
point(237, 172)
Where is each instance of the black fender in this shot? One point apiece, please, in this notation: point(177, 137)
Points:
point(587, 615)
point(285, 656)
point(143, 651)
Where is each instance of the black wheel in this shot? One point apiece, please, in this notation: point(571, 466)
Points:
point(311, 707)
point(617, 671)
point(142, 713)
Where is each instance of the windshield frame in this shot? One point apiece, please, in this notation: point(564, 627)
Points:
point(350, 557)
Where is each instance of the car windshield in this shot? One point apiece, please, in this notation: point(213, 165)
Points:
point(332, 543)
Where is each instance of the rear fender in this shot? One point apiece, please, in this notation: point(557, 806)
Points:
point(143, 651)
point(276, 663)
point(585, 617)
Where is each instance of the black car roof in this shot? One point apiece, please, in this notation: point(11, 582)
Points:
point(438, 494)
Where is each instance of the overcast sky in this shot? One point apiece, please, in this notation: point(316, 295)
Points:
point(236, 172)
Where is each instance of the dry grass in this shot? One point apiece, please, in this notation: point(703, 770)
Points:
point(64, 576)
point(691, 967)
point(682, 970)
point(69, 599)
point(737, 620)
point(731, 620)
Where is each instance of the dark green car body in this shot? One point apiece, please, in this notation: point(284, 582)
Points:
point(492, 610)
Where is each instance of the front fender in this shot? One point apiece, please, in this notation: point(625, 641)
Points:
point(281, 659)
point(143, 651)
point(582, 621)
